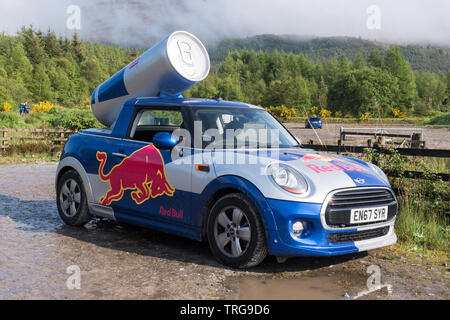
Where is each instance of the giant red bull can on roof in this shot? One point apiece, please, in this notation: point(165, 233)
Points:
point(172, 66)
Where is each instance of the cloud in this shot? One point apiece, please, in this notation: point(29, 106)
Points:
point(140, 22)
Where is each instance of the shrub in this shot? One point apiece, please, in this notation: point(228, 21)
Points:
point(424, 207)
point(11, 120)
point(6, 107)
point(314, 110)
point(283, 112)
point(324, 113)
point(365, 116)
point(397, 113)
point(44, 107)
point(440, 120)
point(75, 119)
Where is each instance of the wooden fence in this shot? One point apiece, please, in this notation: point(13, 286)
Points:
point(53, 137)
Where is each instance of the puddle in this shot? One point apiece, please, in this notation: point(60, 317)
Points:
point(304, 288)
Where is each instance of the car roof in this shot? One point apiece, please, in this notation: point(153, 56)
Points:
point(188, 102)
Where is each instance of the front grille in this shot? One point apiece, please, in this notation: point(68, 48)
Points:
point(339, 207)
point(357, 235)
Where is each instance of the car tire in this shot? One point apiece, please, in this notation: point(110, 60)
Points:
point(71, 200)
point(234, 224)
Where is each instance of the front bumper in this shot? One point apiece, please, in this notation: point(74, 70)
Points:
point(315, 239)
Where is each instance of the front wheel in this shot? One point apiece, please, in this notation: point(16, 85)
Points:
point(71, 200)
point(236, 233)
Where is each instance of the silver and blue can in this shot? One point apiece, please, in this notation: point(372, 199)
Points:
point(169, 68)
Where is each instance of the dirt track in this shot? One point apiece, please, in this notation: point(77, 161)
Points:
point(122, 262)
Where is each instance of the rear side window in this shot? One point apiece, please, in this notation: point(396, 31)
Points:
point(160, 118)
point(149, 122)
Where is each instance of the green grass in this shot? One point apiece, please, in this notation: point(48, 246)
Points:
point(423, 220)
point(442, 120)
point(28, 158)
point(420, 228)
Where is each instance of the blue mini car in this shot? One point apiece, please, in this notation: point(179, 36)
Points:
point(313, 122)
point(212, 170)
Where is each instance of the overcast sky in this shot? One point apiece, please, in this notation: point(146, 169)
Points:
point(141, 22)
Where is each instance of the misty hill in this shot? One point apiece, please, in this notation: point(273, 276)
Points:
point(426, 58)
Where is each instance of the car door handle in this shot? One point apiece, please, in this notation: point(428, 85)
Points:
point(120, 155)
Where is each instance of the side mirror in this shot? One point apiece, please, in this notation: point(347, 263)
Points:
point(164, 141)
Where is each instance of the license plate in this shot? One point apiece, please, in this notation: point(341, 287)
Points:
point(368, 215)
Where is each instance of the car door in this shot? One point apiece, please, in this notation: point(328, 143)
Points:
point(150, 184)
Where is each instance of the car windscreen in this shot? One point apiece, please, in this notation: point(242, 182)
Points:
point(239, 128)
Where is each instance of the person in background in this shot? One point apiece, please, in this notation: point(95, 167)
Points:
point(21, 108)
point(27, 108)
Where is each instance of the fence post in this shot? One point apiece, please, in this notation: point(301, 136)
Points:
point(4, 142)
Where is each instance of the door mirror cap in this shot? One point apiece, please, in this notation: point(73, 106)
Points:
point(164, 141)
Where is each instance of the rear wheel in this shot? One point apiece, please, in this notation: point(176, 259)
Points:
point(71, 200)
point(236, 232)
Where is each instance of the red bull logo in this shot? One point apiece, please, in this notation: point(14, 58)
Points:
point(143, 172)
point(317, 157)
point(336, 166)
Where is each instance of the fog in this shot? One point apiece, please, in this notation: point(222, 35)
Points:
point(140, 22)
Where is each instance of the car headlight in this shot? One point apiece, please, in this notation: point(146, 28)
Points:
point(379, 172)
point(288, 178)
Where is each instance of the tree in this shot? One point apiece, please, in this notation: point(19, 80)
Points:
point(323, 94)
point(19, 67)
point(51, 45)
point(344, 64)
point(41, 85)
point(33, 46)
point(78, 48)
point(401, 69)
point(374, 59)
point(364, 90)
point(359, 62)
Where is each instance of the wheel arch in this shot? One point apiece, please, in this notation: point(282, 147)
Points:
point(71, 163)
point(233, 184)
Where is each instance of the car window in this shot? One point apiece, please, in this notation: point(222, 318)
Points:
point(149, 122)
point(240, 128)
point(158, 118)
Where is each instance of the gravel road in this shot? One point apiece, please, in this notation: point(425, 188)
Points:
point(123, 262)
point(435, 138)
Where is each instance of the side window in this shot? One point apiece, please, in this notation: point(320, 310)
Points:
point(149, 122)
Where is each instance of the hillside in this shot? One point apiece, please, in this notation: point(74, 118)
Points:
point(432, 59)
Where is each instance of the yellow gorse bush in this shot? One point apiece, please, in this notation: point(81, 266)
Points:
point(314, 110)
point(6, 107)
point(365, 116)
point(338, 114)
point(43, 107)
point(397, 113)
point(324, 113)
point(87, 102)
point(283, 112)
